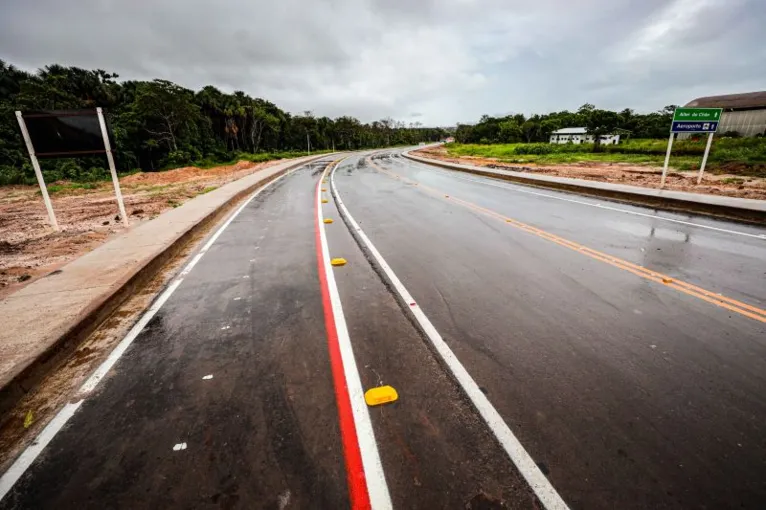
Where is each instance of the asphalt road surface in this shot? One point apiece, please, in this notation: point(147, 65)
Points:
point(548, 350)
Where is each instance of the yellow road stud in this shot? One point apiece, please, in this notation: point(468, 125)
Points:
point(324, 189)
point(380, 395)
point(324, 200)
point(667, 280)
point(338, 262)
point(328, 220)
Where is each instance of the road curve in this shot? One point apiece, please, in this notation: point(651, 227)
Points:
point(622, 348)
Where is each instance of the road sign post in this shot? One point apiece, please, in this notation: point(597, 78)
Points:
point(667, 159)
point(704, 158)
point(112, 169)
point(692, 120)
point(38, 172)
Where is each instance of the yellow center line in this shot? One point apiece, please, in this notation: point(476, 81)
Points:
point(728, 303)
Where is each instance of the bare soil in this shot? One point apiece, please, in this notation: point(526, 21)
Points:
point(30, 249)
point(622, 173)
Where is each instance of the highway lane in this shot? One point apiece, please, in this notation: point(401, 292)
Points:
point(263, 430)
point(227, 398)
point(629, 393)
point(624, 392)
point(725, 260)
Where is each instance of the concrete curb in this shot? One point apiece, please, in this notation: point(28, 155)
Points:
point(97, 311)
point(737, 209)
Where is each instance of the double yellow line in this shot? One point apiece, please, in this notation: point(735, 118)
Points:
point(730, 304)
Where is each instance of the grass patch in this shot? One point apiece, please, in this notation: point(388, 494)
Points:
point(739, 156)
point(259, 157)
point(70, 186)
point(208, 190)
point(174, 203)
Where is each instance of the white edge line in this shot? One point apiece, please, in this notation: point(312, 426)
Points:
point(542, 487)
point(28, 456)
point(515, 187)
point(368, 447)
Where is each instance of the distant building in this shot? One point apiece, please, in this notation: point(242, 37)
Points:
point(742, 113)
point(579, 135)
point(449, 139)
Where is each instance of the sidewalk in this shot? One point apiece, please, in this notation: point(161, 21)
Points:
point(44, 320)
point(742, 209)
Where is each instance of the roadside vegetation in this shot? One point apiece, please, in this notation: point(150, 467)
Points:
point(517, 138)
point(159, 125)
point(737, 156)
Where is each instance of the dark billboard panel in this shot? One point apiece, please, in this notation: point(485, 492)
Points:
point(64, 134)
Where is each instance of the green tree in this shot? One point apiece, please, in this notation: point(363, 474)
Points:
point(167, 111)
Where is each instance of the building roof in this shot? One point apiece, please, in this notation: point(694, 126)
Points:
point(570, 131)
point(732, 101)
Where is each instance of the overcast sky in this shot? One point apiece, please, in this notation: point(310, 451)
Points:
point(434, 61)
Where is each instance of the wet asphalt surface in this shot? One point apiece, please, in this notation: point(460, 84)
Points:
point(628, 394)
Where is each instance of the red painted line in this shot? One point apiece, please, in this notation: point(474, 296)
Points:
point(357, 484)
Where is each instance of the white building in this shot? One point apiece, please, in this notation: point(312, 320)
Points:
point(579, 135)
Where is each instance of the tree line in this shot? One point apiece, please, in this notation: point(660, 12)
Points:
point(159, 124)
point(538, 128)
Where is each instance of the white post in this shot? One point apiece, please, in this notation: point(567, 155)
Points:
point(308, 143)
point(704, 158)
point(667, 159)
point(38, 172)
point(115, 181)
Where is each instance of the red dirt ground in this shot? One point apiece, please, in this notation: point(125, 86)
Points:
point(29, 248)
point(635, 175)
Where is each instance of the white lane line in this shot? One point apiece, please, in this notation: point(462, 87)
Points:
point(179, 446)
point(28, 456)
point(19, 467)
point(377, 488)
point(545, 492)
point(520, 189)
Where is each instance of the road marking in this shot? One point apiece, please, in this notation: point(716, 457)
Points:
point(207, 377)
point(366, 480)
point(179, 446)
point(518, 455)
point(715, 298)
point(28, 456)
point(518, 188)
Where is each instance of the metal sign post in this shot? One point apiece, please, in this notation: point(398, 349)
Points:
point(38, 172)
point(112, 169)
point(693, 120)
point(704, 158)
point(667, 159)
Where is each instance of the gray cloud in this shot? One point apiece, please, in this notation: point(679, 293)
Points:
point(447, 60)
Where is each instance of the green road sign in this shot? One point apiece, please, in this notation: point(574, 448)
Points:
point(697, 115)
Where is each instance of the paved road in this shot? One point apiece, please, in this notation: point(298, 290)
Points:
point(623, 348)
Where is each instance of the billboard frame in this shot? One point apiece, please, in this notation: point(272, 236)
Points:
point(36, 164)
